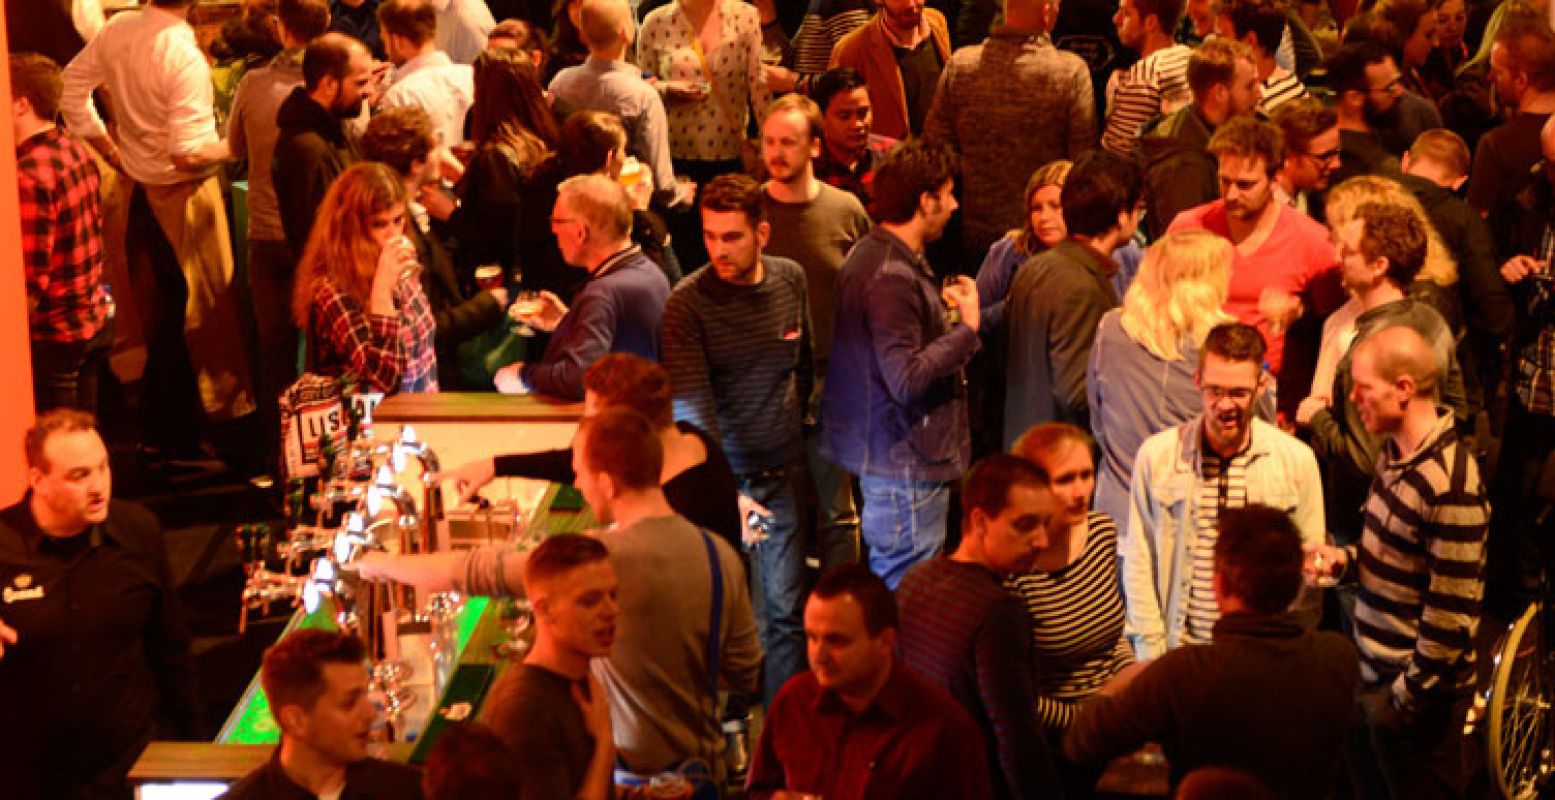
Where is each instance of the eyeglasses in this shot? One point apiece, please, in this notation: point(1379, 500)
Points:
point(1239, 394)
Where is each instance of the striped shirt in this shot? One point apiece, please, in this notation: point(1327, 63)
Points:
point(1422, 559)
point(1223, 486)
point(825, 23)
point(1282, 86)
point(1155, 85)
point(963, 630)
point(1076, 623)
point(740, 360)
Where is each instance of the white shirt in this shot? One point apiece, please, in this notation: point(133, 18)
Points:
point(161, 91)
point(435, 84)
point(462, 28)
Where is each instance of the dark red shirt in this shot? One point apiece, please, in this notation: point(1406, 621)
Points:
point(913, 741)
point(62, 238)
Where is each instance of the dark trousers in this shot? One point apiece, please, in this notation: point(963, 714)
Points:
point(1516, 547)
point(271, 269)
point(1429, 757)
point(170, 409)
point(64, 374)
point(685, 224)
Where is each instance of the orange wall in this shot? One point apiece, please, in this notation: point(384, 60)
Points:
point(15, 360)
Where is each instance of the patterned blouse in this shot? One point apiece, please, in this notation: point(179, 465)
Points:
point(1076, 624)
point(389, 354)
point(711, 129)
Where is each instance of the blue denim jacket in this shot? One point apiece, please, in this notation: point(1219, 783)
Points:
point(1162, 532)
point(895, 399)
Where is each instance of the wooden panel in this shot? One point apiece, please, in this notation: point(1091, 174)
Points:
point(475, 407)
point(189, 761)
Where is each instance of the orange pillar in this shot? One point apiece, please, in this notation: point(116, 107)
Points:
point(15, 357)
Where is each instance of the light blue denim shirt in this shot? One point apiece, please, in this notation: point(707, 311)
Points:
point(1162, 531)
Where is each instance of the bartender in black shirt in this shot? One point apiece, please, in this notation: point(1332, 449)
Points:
point(97, 643)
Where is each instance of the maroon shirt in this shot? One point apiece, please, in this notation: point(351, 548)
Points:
point(913, 741)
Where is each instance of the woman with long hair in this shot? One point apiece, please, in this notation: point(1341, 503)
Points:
point(1071, 593)
point(566, 48)
point(514, 133)
point(358, 292)
point(1140, 378)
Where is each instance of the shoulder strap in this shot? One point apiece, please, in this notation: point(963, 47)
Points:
point(715, 616)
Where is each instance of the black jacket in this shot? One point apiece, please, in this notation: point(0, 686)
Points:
point(1180, 173)
point(311, 151)
point(460, 311)
point(1268, 696)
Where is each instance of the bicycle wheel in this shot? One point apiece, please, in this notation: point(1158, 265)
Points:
point(1518, 737)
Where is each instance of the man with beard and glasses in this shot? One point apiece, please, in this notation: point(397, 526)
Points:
point(1312, 154)
point(1185, 477)
point(815, 224)
point(894, 409)
point(1367, 86)
point(1284, 263)
point(736, 343)
point(313, 147)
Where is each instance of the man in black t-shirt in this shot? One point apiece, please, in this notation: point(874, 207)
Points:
point(316, 682)
point(553, 715)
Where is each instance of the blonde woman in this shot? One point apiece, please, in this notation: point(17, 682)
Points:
point(1434, 286)
point(1044, 227)
point(1140, 378)
point(358, 293)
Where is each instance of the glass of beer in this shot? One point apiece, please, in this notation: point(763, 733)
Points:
point(526, 304)
point(488, 276)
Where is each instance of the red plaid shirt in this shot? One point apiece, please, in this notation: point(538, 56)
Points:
point(859, 178)
point(62, 238)
point(389, 354)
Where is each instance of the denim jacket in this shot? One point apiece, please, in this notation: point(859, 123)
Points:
point(895, 399)
point(1162, 530)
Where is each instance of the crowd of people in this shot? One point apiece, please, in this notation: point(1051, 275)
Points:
point(1083, 346)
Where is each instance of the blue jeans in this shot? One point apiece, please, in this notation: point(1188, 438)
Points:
point(903, 523)
point(778, 569)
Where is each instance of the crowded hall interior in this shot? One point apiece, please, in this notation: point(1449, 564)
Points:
point(778, 399)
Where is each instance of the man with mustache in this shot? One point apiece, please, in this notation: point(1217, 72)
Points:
point(1186, 476)
point(92, 640)
point(1283, 264)
point(736, 344)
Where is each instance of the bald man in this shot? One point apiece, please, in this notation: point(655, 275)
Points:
point(606, 81)
point(1420, 569)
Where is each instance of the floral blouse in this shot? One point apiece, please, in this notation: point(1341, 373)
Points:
point(711, 129)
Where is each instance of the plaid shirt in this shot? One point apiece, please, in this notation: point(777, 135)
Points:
point(860, 178)
point(62, 238)
point(389, 354)
point(1534, 378)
